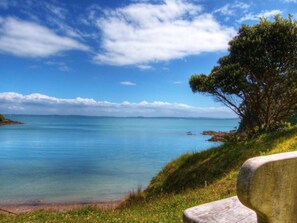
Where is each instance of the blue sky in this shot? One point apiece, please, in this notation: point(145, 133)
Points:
point(118, 58)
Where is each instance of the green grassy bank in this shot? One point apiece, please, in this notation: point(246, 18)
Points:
point(187, 181)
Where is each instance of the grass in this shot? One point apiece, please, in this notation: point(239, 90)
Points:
point(187, 181)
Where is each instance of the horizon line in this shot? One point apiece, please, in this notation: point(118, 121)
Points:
point(106, 116)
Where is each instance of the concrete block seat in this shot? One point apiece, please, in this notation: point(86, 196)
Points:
point(266, 193)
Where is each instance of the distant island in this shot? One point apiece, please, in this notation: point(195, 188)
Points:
point(5, 121)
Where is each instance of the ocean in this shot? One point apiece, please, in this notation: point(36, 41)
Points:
point(61, 159)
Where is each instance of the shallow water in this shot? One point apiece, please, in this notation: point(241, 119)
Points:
point(84, 159)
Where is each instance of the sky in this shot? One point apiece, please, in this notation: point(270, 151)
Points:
point(118, 58)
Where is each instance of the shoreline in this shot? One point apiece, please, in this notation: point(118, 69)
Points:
point(10, 122)
point(15, 209)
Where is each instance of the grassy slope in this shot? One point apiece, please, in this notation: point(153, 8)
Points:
point(181, 184)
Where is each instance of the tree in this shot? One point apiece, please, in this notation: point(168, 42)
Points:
point(258, 79)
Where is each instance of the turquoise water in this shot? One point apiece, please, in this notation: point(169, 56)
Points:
point(84, 159)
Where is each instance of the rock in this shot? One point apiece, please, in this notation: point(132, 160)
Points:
point(219, 136)
point(209, 132)
point(190, 133)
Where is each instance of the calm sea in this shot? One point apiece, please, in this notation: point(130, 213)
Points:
point(83, 159)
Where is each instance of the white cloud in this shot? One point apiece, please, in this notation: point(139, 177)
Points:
point(56, 10)
point(265, 14)
point(29, 39)
point(143, 33)
point(295, 1)
point(60, 65)
point(145, 67)
point(178, 82)
point(51, 13)
point(127, 83)
point(15, 103)
point(230, 9)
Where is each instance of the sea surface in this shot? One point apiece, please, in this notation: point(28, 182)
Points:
point(84, 159)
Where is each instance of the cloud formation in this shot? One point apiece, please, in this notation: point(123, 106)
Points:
point(231, 9)
point(144, 32)
point(127, 83)
point(179, 82)
point(29, 39)
point(265, 14)
point(15, 103)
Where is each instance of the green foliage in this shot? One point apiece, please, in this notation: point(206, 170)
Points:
point(2, 118)
point(194, 170)
point(293, 118)
point(258, 79)
point(164, 201)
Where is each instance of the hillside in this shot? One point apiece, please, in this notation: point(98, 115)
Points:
point(187, 181)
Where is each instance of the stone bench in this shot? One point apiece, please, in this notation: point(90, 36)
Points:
point(266, 193)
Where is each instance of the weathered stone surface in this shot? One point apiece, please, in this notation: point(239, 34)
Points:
point(268, 185)
point(223, 211)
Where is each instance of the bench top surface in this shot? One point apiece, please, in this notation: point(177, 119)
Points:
point(223, 211)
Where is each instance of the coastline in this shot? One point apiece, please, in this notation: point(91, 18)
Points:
point(15, 209)
point(10, 122)
point(64, 204)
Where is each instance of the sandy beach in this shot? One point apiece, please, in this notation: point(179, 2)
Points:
point(58, 207)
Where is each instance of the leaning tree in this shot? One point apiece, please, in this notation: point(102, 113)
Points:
point(258, 79)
